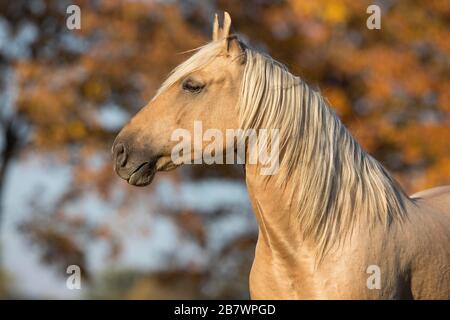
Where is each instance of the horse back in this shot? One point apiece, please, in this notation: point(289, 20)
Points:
point(430, 278)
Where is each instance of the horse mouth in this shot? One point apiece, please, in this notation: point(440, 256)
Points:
point(143, 175)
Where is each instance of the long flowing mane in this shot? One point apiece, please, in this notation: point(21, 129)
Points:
point(335, 184)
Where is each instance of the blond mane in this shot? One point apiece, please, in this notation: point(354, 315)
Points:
point(336, 183)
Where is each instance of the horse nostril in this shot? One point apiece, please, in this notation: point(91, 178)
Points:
point(120, 155)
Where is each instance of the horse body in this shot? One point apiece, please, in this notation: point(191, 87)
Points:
point(333, 223)
point(430, 235)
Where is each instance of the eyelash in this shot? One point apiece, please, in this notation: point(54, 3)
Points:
point(192, 86)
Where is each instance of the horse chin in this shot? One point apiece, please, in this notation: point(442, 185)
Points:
point(143, 175)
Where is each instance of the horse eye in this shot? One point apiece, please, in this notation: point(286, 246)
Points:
point(192, 86)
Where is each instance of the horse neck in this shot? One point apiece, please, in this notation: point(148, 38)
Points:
point(279, 216)
point(278, 226)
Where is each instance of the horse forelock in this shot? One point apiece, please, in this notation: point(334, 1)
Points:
point(202, 57)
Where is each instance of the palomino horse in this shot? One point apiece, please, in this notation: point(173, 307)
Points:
point(333, 224)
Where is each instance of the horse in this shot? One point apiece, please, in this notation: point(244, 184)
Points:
point(333, 223)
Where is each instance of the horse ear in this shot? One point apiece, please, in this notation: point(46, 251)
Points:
point(215, 35)
point(234, 47)
point(226, 25)
point(224, 32)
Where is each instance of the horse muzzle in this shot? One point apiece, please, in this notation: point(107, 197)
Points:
point(134, 167)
